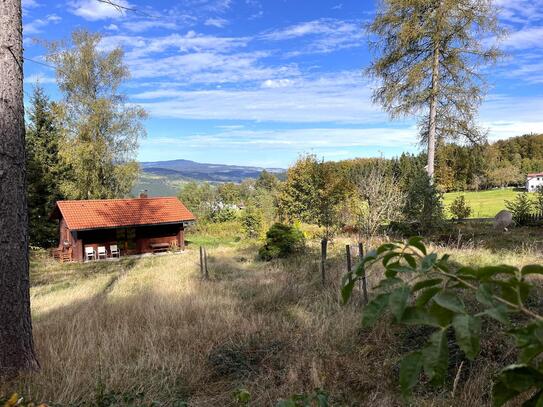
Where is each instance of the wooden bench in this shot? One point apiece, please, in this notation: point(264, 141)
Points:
point(160, 247)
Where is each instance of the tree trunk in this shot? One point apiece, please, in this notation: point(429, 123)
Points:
point(433, 110)
point(16, 344)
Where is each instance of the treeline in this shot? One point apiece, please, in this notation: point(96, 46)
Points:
point(490, 165)
point(83, 146)
point(359, 195)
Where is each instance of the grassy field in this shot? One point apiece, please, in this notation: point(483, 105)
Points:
point(149, 331)
point(484, 204)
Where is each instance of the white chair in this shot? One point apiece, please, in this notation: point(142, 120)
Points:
point(102, 253)
point(115, 252)
point(90, 253)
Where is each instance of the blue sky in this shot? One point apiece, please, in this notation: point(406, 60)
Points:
point(258, 82)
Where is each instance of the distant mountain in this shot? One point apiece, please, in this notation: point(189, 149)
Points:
point(164, 178)
point(190, 170)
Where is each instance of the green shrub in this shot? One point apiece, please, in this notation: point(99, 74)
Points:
point(459, 208)
point(427, 290)
point(281, 241)
point(424, 204)
point(521, 208)
point(223, 214)
point(251, 221)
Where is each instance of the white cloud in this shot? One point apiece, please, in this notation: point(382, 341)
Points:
point(93, 10)
point(36, 26)
point(30, 4)
point(216, 22)
point(112, 27)
point(144, 25)
point(276, 83)
point(39, 78)
point(343, 97)
point(323, 36)
point(527, 38)
point(520, 11)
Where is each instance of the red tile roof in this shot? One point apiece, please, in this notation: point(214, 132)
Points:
point(111, 213)
point(535, 174)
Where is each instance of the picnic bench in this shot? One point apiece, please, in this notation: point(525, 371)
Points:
point(159, 247)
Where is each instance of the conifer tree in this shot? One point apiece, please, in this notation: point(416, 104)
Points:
point(43, 168)
point(429, 55)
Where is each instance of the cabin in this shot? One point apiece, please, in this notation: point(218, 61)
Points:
point(105, 228)
point(534, 181)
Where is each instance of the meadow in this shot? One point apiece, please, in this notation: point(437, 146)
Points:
point(149, 331)
point(484, 204)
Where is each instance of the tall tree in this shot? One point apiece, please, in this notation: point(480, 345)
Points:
point(16, 345)
point(43, 168)
point(101, 131)
point(429, 55)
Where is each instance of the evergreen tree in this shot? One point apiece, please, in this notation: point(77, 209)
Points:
point(100, 132)
point(429, 54)
point(43, 171)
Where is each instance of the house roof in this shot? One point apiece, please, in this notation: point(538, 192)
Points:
point(535, 174)
point(112, 213)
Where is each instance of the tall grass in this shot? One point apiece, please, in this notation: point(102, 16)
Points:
point(150, 330)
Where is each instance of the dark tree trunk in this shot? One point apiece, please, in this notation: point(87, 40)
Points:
point(16, 345)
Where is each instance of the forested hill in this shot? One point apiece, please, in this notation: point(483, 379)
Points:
point(499, 164)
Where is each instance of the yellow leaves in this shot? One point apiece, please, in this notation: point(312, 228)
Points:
point(15, 400)
point(12, 401)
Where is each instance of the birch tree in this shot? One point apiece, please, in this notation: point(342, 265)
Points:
point(429, 56)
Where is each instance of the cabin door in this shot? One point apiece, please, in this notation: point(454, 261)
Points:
point(126, 240)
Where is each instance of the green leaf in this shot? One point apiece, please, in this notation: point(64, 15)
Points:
point(428, 262)
point(499, 313)
point(398, 301)
point(416, 241)
point(520, 377)
point(485, 273)
point(484, 295)
point(435, 357)
point(468, 331)
point(410, 368)
point(427, 283)
point(374, 309)
point(529, 340)
point(347, 287)
point(410, 260)
point(501, 394)
point(426, 295)
point(419, 316)
point(450, 301)
point(532, 269)
point(386, 248)
point(442, 315)
point(390, 256)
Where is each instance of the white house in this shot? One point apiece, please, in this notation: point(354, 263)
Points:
point(534, 181)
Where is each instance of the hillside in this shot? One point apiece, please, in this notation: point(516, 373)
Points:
point(163, 178)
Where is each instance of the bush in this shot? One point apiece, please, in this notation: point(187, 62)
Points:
point(459, 208)
point(223, 214)
point(281, 241)
point(251, 221)
point(521, 208)
point(423, 204)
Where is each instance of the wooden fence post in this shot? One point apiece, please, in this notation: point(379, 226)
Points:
point(348, 253)
point(205, 264)
point(324, 244)
point(363, 279)
point(201, 261)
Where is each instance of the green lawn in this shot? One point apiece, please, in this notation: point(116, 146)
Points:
point(484, 204)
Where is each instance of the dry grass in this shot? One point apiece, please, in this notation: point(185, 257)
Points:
point(149, 330)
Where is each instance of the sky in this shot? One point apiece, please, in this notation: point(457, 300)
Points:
point(260, 82)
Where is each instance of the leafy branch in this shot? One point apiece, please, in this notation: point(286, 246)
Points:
point(425, 289)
